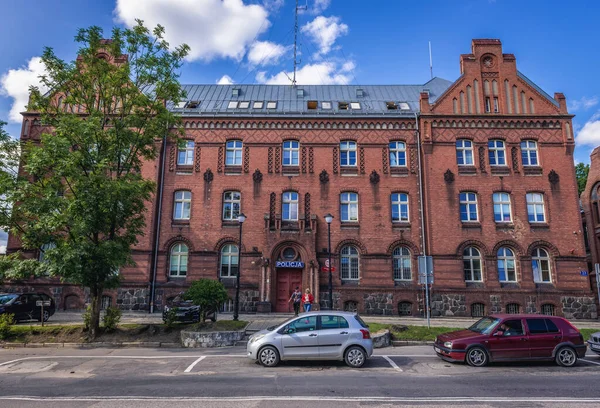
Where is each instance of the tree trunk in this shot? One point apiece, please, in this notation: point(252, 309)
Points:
point(96, 295)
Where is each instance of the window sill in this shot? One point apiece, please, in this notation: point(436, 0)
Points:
point(474, 284)
point(179, 278)
point(230, 224)
point(467, 170)
point(505, 226)
point(402, 283)
point(468, 225)
point(290, 170)
point(401, 225)
point(233, 170)
point(532, 170)
point(510, 285)
point(350, 282)
point(182, 223)
point(350, 225)
point(499, 170)
point(181, 168)
point(539, 225)
point(544, 285)
point(349, 171)
point(399, 171)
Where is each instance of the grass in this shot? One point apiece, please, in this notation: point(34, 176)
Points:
point(220, 325)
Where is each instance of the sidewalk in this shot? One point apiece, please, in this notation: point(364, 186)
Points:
point(260, 321)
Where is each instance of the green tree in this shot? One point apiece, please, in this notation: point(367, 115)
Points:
point(581, 171)
point(83, 190)
point(209, 294)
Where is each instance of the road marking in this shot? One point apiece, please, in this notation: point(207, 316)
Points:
point(394, 365)
point(191, 366)
point(588, 361)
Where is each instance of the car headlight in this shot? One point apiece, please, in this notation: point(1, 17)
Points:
point(256, 337)
point(448, 344)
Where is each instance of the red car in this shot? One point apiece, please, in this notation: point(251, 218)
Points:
point(512, 338)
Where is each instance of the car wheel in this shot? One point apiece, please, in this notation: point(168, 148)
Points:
point(268, 356)
point(566, 357)
point(477, 357)
point(45, 316)
point(355, 357)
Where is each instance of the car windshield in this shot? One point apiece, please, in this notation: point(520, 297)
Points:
point(485, 325)
point(5, 299)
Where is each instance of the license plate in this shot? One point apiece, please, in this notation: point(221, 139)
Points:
point(180, 314)
point(437, 350)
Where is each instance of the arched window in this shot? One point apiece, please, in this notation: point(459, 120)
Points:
point(231, 205)
point(472, 264)
point(540, 263)
point(289, 206)
point(401, 264)
point(507, 270)
point(548, 309)
point(179, 260)
point(497, 153)
point(229, 261)
point(477, 310)
point(397, 154)
point(291, 149)
point(349, 261)
point(404, 308)
point(513, 308)
point(399, 207)
point(350, 306)
point(182, 205)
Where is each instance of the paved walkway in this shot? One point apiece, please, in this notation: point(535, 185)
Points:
point(261, 321)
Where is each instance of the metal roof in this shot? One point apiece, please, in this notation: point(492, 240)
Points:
point(214, 100)
point(537, 88)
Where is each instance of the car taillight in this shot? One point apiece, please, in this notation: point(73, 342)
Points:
point(365, 333)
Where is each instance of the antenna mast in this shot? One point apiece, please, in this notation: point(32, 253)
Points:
point(296, 38)
point(430, 61)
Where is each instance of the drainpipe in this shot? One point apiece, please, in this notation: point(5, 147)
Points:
point(158, 219)
point(422, 211)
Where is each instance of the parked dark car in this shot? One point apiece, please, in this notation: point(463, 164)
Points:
point(24, 306)
point(513, 338)
point(187, 312)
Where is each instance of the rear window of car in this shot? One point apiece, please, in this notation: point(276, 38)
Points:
point(537, 326)
point(361, 322)
point(551, 326)
point(333, 322)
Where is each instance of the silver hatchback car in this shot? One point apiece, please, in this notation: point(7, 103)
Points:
point(323, 335)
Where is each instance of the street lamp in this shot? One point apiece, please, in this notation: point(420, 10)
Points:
point(328, 220)
point(236, 310)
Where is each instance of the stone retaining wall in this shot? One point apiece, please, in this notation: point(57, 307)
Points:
point(211, 339)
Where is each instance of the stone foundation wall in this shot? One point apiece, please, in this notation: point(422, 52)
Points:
point(579, 307)
point(448, 305)
point(379, 304)
point(249, 301)
point(211, 339)
point(133, 299)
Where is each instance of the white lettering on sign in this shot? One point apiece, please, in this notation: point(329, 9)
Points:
point(290, 264)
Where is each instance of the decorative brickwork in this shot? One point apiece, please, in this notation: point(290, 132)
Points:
point(384, 159)
point(303, 159)
point(172, 153)
point(220, 159)
point(270, 160)
point(311, 160)
point(362, 160)
point(246, 159)
point(277, 159)
point(336, 160)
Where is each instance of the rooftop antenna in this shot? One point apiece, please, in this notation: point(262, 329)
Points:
point(430, 61)
point(296, 37)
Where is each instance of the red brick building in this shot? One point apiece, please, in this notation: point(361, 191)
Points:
point(477, 173)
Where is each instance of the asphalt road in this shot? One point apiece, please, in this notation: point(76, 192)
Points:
point(226, 378)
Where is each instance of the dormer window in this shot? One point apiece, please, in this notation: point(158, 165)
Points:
point(235, 92)
point(360, 93)
point(300, 93)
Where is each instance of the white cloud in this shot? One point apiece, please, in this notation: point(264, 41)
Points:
point(212, 28)
point(273, 5)
point(324, 31)
point(225, 80)
point(589, 133)
point(16, 82)
point(323, 73)
point(583, 103)
point(320, 6)
point(266, 53)
point(2, 249)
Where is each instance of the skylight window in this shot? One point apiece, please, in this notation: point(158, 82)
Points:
point(235, 92)
point(272, 105)
point(404, 106)
point(300, 93)
point(192, 104)
point(312, 104)
point(355, 105)
point(181, 105)
point(258, 105)
point(391, 105)
point(232, 105)
point(360, 93)
point(325, 105)
point(343, 105)
point(244, 105)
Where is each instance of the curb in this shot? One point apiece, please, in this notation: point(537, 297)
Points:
point(401, 343)
point(133, 344)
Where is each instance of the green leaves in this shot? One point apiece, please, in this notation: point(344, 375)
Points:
point(206, 293)
point(581, 172)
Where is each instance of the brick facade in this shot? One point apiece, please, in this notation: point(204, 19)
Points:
point(488, 79)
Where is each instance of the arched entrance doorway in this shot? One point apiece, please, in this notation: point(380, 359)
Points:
point(289, 267)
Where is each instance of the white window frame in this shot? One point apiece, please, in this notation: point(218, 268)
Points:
point(230, 200)
point(539, 258)
point(355, 105)
point(468, 256)
point(468, 199)
point(464, 152)
point(182, 206)
point(502, 207)
point(47, 246)
point(289, 199)
point(349, 263)
point(535, 207)
point(291, 149)
point(230, 252)
point(529, 153)
point(187, 154)
point(400, 204)
point(506, 256)
point(234, 152)
point(244, 105)
point(497, 153)
point(271, 105)
point(258, 105)
point(350, 201)
point(178, 261)
point(232, 105)
point(397, 154)
point(402, 264)
point(348, 153)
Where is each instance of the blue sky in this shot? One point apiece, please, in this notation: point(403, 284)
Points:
point(350, 41)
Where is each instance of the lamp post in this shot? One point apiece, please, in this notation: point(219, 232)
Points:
point(236, 310)
point(328, 220)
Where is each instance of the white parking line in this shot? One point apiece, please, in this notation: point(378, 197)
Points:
point(191, 366)
point(394, 365)
point(588, 361)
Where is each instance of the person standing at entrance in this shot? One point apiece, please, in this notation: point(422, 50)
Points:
point(296, 298)
point(307, 299)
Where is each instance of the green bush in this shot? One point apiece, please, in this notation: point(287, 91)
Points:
point(170, 317)
point(111, 319)
point(87, 318)
point(209, 294)
point(6, 321)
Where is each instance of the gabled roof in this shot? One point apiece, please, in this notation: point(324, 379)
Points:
point(372, 100)
point(537, 88)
